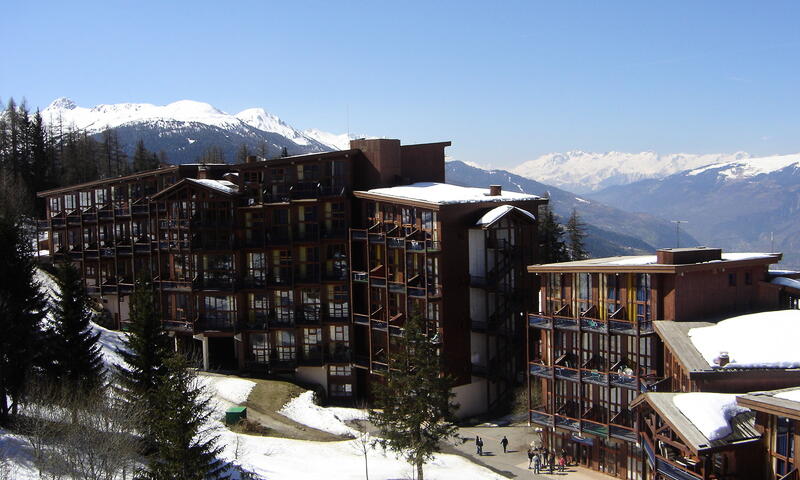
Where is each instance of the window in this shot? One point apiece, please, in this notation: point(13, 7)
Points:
point(311, 304)
point(100, 196)
point(312, 343)
point(748, 278)
point(284, 306)
point(69, 202)
point(339, 344)
point(340, 370)
point(643, 314)
point(284, 346)
point(783, 446)
point(613, 293)
point(584, 292)
point(341, 390)
point(731, 279)
point(220, 311)
point(86, 200)
point(338, 303)
point(55, 205)
point(258, 310)
point(256, 270)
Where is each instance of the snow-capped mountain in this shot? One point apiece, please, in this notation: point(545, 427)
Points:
point(749, 204)
point(583, 172)
point(185, 129)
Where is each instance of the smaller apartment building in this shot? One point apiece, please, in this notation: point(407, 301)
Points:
point(593, 347)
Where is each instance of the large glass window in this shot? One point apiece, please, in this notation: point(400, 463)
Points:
point(643, 314)
point(783, 446)
point(584, 292)
point(285, 346)
point(220, 311)
point(311, 304)
point(256, 270)
point(338, 303)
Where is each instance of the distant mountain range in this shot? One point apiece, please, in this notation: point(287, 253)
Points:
point(611, 231)
point(186, 129)
point(583, 172)
point(746, 204)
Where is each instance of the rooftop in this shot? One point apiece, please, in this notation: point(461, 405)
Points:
point(444, 193)
point(651, 263)
point(784, 402)
point(711, 412)
point(765, 340)
point(495, 214)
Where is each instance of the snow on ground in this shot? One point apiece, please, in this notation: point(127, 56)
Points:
point(793, 395)
point(226, 392)
point(302, 409)
point(111, 342)
point(757, 340)
point(711, 413)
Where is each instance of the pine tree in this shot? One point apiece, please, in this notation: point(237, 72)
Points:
point(185, 449)
point(22, 308)
point(144, 159)
point(242, 154)
point(551, 234)
point(76, 357)
point(147, 349)
point(576, 232)
point(414, 401)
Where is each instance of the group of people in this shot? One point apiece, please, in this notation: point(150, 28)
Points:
point(479, 444)
point(540, 459)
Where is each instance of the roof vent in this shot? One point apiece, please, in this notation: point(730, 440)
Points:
point(251, 159)
point(495, 190)
point(202, 172)
point(723, 359)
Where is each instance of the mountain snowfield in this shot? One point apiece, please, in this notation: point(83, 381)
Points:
point(187, 112)
point(582, 172)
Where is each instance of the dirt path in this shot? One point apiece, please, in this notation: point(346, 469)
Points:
point(269, 396)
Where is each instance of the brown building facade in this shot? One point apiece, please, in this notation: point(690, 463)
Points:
point(593, 347)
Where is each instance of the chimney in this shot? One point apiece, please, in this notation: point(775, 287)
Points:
point(251, 159)
point(723, 359)
point(202, 172)
point(495, 190)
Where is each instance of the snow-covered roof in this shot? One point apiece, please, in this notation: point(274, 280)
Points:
point(497, 213)
point(756, 340)
point(786, 282)
point(711, 413)
point(444, 193)
point(223, 186)
point(793, 395)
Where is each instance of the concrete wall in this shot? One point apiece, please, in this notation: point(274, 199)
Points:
point(471, 398)
point(477, 248)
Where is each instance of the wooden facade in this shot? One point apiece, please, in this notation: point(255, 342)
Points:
point(778, 421)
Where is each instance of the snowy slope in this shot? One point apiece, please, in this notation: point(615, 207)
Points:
point(748, 167)
point(582, 172)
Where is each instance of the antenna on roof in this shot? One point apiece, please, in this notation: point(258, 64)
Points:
point(678, 231)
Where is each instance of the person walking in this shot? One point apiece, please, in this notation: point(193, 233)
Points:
point(531, 454)
point(504, 443)
point(479, 443)
point(536, 464)
point(562, 463)
point(551, 461)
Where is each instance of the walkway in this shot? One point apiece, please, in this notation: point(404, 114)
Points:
point(513, 463)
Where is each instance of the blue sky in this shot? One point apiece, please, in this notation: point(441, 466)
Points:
point(505, 82)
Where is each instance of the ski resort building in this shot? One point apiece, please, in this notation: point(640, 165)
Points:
point(308, 265)
point(778, 422)
point(594, 346)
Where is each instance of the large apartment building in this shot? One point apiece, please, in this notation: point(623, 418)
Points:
point(593, 347)
point(306, 265)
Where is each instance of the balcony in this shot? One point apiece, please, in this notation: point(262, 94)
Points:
point(622, 380)
point(358, 234)
point(540, 415)
point(540, 321)
point(360, 277)
point(394, 242)
point(567, 423)
point(595, 377)
point(566, 373)
point(416, 292)
point(361, 319)
point(565, 323)
point(377, 282)
point(594, 428)
point(622, 433)
point(433, 246)
point(376, 237)
point(622, 327)
point(415, 246)
point(593, 325)
point(540, 370)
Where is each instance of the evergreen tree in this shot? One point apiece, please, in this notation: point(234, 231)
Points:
point(76, 357)
point(416, 411)
point(576, 232)
point(22, 308)
point(242, 154)
point(147, 348)
point(144, 159)
point(185, 449)
point(551, 235)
